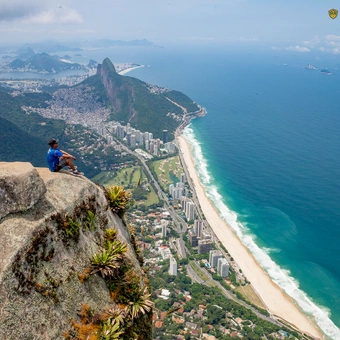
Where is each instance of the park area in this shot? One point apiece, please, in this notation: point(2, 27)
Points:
point(168, 171)
point(133, 179)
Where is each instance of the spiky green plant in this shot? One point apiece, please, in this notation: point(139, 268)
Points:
point(110, 234)
point(72, 228)
point(110, 332)
point(112, 327)
point(119, 200)
point(109, 260)
point(116, 247)
point(90, 222)
point(142, 304)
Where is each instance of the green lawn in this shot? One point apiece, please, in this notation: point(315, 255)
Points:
point(248, 292)
point(124, 178)
point(198, 271)
point(164, 167)
point(152, 198)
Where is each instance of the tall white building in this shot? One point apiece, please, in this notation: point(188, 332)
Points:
point(173, 267)
point(205, 235)
point(151, 145)
point(184, 201)
point(182, 178)
point(190, 211)
point(170, 147)
point(177, 193)
point(133, 141)
point(164, 231)
point(155, 150)
point(171, 189)
point(214, 255)
point(223, 267)
point(120, 131)
point(198, 226)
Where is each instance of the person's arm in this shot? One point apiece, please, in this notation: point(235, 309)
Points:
point(67, 155)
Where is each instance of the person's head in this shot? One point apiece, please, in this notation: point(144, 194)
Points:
point(53, 143)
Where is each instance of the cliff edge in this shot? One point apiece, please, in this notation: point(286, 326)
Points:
point(53, 229)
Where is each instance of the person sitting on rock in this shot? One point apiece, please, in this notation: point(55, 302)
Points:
point(57, 159)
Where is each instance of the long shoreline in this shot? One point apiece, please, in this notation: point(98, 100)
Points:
point(126, 70)
point(278, 302)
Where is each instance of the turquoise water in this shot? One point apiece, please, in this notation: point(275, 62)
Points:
point(270, 151)
point(269, 156)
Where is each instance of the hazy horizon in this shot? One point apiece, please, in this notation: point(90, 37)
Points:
point(302, 27)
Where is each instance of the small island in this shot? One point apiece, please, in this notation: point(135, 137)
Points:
point(325, 71)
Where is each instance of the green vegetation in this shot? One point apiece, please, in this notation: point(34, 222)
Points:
point(129, 178)
point(24, 137)
point(108, 261)
point(199, 272)
point(183, 100)
point(44, 62)
point(167, 171)
point(72, 228)
point(215, 309)
point(250, 295)
point(119, 200)
point(130, 318)
point(133, 101)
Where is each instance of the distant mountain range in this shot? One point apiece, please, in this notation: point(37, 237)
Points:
point(77, 46)
point(40, 62)
point(113, 43)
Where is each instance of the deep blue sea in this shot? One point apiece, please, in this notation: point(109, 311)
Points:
point(269, 156)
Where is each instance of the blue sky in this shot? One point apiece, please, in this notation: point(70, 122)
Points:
point(302, 26)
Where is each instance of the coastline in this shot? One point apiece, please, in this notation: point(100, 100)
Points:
point(129, 69)
point(277, 302)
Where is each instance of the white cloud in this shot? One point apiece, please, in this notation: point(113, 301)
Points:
point(198, 38)
point(72, 32)
point(332, 37)
point(60, 15)
point(247, 39)
point(297, 48)
point(18, 9)
point(11, 30)
point(313, 42)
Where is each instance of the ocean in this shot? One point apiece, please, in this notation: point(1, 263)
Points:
point(268, 152)
point(268, 155)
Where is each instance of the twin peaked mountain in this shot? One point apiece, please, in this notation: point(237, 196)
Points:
point(146, 107)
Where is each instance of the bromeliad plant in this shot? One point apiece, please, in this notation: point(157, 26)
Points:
point(113, 326)
point(142, 304)
point(119, 200)
point(110, 259)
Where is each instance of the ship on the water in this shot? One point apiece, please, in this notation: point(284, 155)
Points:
point(311, 67)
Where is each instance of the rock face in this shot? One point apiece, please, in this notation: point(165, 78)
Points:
point(41, 266)
point(113, 84)
point(20, 187)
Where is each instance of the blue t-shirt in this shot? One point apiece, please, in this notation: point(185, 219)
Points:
point(53, 158)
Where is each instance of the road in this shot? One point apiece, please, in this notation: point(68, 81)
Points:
point(182, 227)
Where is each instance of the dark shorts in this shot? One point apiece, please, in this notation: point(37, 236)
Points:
point(60, 165)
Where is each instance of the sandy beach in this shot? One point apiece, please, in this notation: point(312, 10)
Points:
point(129, 69)
point(278, 303)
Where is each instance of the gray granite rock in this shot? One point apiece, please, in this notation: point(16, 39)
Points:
point(40, 289)
point(20, 187)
